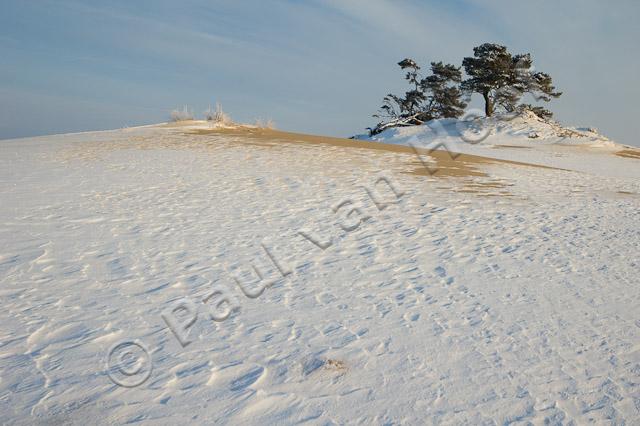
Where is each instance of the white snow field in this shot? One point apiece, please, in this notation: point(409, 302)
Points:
point(487, 293)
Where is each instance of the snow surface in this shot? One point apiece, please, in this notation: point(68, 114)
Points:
point(498, 299)
point(507, 131)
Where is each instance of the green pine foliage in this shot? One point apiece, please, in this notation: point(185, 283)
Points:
point(436, 96)
point(500, 77)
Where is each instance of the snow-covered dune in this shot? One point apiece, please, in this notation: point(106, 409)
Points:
point(522, 137)
point(398, 285)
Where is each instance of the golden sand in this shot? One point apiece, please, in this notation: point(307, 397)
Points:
point(424, 162)
point(629, 153)
point(511, 146)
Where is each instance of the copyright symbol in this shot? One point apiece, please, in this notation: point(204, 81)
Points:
point(128, 363)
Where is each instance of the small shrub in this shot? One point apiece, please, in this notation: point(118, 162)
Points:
point(265, 124)
point(181, 115)
point(218, 116)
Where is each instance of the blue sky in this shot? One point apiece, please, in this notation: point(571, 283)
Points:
point(312, 66)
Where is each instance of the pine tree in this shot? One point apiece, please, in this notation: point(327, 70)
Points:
point(445, 99)
point(503, 79)
point(436, 96)
point(395, 107)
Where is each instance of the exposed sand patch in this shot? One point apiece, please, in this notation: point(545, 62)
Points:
point(512, 146)
point(182, 123)
point(431, 163)
point(629, 153)
point(625, 194)
point(485, 188)
point(191, 135)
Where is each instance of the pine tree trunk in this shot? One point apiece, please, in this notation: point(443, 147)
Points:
point(488, 105)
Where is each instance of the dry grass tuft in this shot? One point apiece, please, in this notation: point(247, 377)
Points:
point(181, 115)
point(265, 124)
point(335, 365)
point(218, 116)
